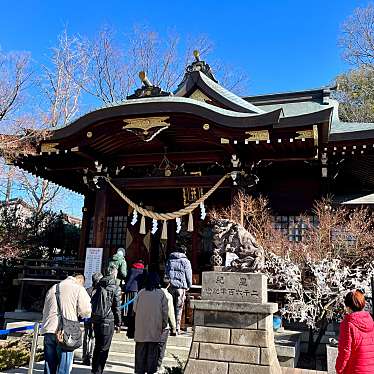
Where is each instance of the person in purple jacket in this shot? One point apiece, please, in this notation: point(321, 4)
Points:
point(178, 270)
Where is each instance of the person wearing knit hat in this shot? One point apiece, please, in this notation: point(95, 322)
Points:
point(118, 261)
point(88, 337)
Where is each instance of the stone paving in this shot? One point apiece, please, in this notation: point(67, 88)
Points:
point(79, 369)
point(301, 371)
point(125, 369)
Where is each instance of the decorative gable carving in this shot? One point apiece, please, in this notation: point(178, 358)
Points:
point(200, 96)
point(146, 128)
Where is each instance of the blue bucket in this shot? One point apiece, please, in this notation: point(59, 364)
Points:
point(277, 323)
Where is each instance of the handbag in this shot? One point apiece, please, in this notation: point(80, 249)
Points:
point(69, 333)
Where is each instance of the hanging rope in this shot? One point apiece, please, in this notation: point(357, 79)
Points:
point(172, 215)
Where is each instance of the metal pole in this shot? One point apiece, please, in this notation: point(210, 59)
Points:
point(34, 345)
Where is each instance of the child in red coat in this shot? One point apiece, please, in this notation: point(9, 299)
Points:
point(356, 338)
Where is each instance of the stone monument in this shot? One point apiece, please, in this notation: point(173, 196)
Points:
point(233, 326)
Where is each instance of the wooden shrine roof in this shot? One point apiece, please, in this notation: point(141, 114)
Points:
point(201, 124)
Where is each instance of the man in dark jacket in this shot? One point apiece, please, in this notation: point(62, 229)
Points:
point(178, 270)
point(88, 331)
point(106, 317)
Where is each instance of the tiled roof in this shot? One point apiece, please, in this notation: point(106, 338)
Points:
point(355, 199)
point(230, 96)
point(344, 127)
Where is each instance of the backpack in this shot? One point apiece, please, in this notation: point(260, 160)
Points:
point(69, 334)
point(101, 303)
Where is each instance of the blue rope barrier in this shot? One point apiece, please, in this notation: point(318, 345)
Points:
point(128, 303)
point(122, 307)
point(16, 329)
point(31, 327)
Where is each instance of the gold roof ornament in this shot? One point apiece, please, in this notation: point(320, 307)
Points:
point(49, 147)
point(308, 134)
point(146, 128)
point(147, 89)
point(196, 54)
point(305, 134)
point(143, 77)
point(257, 135)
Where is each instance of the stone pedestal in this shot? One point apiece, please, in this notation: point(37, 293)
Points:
point(332, 354)
point(233, 326)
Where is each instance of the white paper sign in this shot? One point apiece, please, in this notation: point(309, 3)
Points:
point(230, 256)
point(92, 264)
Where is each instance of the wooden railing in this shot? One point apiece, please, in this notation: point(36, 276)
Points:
point(45, 269)
point(38, 273)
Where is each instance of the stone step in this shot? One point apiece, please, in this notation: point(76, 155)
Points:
point(128, 359)
point(183, 340)
point(129, 347)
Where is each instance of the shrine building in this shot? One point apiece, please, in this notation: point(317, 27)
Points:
point(141, 163)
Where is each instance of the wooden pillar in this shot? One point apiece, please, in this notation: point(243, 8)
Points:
point(87, 211)
point(100, 221)
point(172, 236)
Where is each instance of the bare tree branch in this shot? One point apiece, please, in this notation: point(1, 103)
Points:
point(358, 37)
point(58, 85)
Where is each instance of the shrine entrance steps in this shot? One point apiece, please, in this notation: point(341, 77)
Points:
point(122, 357)
point(122, 351)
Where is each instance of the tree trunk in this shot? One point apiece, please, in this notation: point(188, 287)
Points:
point(313, 345)
point(310, 341)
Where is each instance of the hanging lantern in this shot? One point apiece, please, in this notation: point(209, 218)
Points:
point(134, 217)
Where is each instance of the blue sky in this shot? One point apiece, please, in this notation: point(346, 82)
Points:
point(282, 45)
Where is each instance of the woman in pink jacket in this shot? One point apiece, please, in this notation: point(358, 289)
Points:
point(356, 338)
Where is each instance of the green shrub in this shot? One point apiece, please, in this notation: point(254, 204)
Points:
point(16, 352)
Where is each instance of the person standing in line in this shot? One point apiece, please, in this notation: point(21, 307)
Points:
point(134, 284)
point(106, 317)
point(119, 262)
point(151, 318)
point(88, 330)
point(165, 284)
point(178, 269)
point(75, 302)
point(356, 337)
